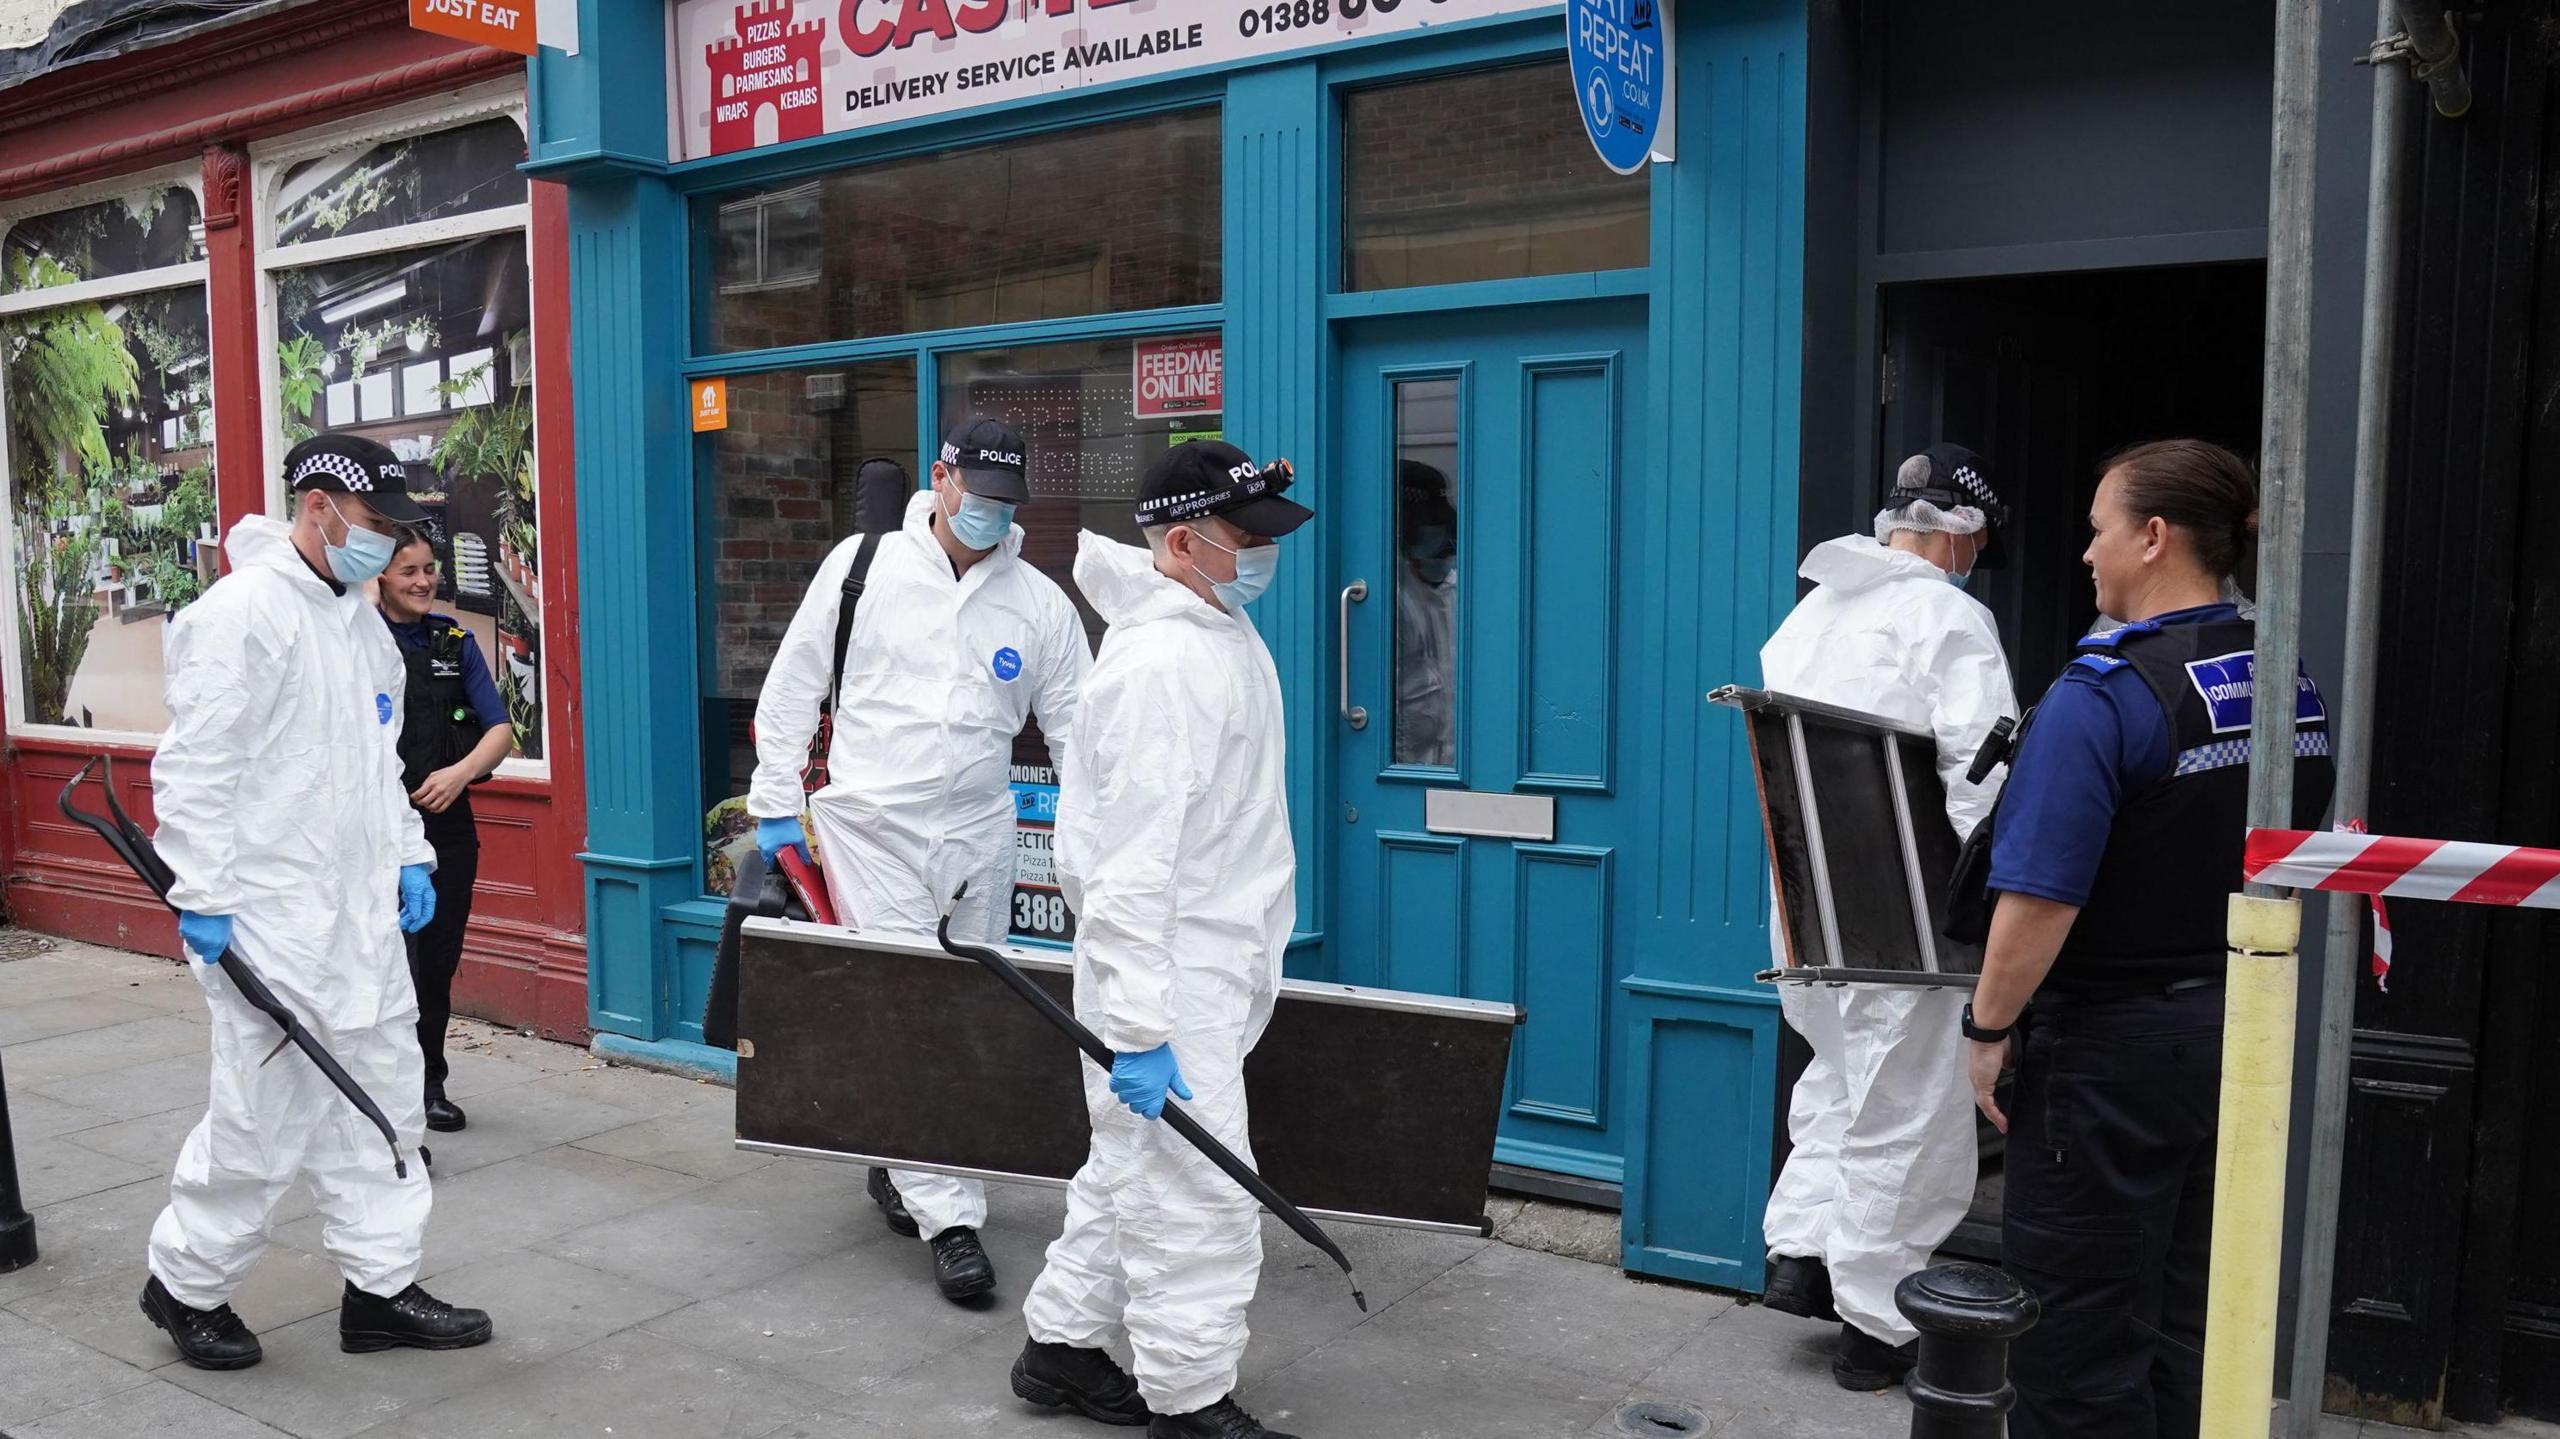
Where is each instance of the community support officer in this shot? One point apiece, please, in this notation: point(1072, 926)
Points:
point(1173, 846)
point(454, 730)
point(955, 640)
point(2115, 848)
point(283, 817)
point(1882, 1165)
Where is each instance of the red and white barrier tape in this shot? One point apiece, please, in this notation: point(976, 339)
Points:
point(2381, 925)
point(2446, 869)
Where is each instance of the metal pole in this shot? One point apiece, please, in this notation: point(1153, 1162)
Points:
point(2265, 928)
point(2353, 736)
point(2288, 385)
point(1967, 1314)
point(17, 1230)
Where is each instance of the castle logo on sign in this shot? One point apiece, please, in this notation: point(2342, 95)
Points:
point(765, 78)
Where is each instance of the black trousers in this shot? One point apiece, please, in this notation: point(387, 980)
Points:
point(435, 952)
point(2108, 1213)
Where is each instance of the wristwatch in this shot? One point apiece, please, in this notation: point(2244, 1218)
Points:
point(1980, 1035)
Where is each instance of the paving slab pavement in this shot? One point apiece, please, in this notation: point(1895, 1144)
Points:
point(649, 1281)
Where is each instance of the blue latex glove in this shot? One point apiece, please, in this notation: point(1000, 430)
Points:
point(773, 836)
point(205, 935)
point(1141, 1080)
point(417, 897)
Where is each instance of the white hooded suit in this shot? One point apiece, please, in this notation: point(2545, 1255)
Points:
point(278, 794)
point(1883, 1163)
point(939, 675)
point(1173, 846)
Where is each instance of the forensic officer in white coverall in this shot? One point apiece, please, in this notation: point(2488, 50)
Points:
point(283, 818)
point(1882, 1166)
point(956, 640)
point(1173, 846)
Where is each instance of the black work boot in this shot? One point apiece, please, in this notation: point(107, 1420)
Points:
point(960, 1263)
point(1222, 1420)
point(893, 1210)
point(1865, 1362)
point(1088, 1381)
point(1799, 1286)
point(444, 1116)
point(206, 1338)
point(412, 1319)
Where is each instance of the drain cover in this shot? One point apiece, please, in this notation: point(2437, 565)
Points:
point(1656, 1420)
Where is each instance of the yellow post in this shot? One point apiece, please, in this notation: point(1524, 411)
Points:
point(2265, 936)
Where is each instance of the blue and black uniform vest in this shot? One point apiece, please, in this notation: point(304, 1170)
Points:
point(2158, 911)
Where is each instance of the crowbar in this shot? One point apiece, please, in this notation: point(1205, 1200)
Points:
point(1183, 1124)
point(135, 848)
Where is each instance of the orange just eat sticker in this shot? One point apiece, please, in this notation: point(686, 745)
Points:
point(710, 405)
point(498, 24)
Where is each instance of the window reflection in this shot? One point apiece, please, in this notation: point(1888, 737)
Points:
point(998, 234)
point(1426, 419)
point(401, 182)
point(145, 230)
point(1481, 176)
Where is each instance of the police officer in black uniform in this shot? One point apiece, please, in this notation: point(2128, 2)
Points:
point(453, 732)
point(2116, 844)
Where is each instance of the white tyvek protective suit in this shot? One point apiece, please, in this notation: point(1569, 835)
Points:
point(1882, 1122)
point(277, 788)
point(1173, 846)
point(938, 677)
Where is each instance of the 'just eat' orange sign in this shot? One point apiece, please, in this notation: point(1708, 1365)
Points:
point(499, 24)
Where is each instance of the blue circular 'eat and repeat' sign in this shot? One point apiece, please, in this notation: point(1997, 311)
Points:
point(1621, 57)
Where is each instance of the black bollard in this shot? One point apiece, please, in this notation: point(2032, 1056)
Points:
point(1966, 1315)
point(17, 1229)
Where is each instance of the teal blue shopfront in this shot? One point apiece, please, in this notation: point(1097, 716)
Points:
point(1549, 418)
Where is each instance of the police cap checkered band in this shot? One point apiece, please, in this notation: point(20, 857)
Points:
point(1947, 475)
point(350, 474)
point(352, 464)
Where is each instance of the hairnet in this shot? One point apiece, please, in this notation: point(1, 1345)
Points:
point(1928, 519)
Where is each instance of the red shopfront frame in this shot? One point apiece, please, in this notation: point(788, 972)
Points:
point(210, 97)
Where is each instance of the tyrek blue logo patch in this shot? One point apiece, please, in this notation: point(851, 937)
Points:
point(382, 709)
point(1008, 664)
point(2227, 682)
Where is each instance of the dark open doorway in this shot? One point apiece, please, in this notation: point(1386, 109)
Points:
point(2046, 375)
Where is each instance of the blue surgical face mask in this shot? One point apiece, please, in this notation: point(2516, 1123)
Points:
point(1254, 569)
point(364, 555)
point(1959, 580)
point(980, 524)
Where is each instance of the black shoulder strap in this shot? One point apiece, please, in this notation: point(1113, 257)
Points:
point(854, 580)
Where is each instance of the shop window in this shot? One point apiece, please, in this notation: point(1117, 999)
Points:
point(782, 494)
point(1099, 220)
point(1481, 176)
point(147, 230)
point(401, 182)
point(422, 339)
point(108, 458)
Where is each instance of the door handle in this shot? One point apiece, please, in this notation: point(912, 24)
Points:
point(1352, 593)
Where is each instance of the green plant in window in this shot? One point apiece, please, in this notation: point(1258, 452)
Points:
point(490, 438)
point(299, 385)
point(68, 369)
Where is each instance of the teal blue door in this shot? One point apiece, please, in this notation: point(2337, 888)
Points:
point(1480, 597)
